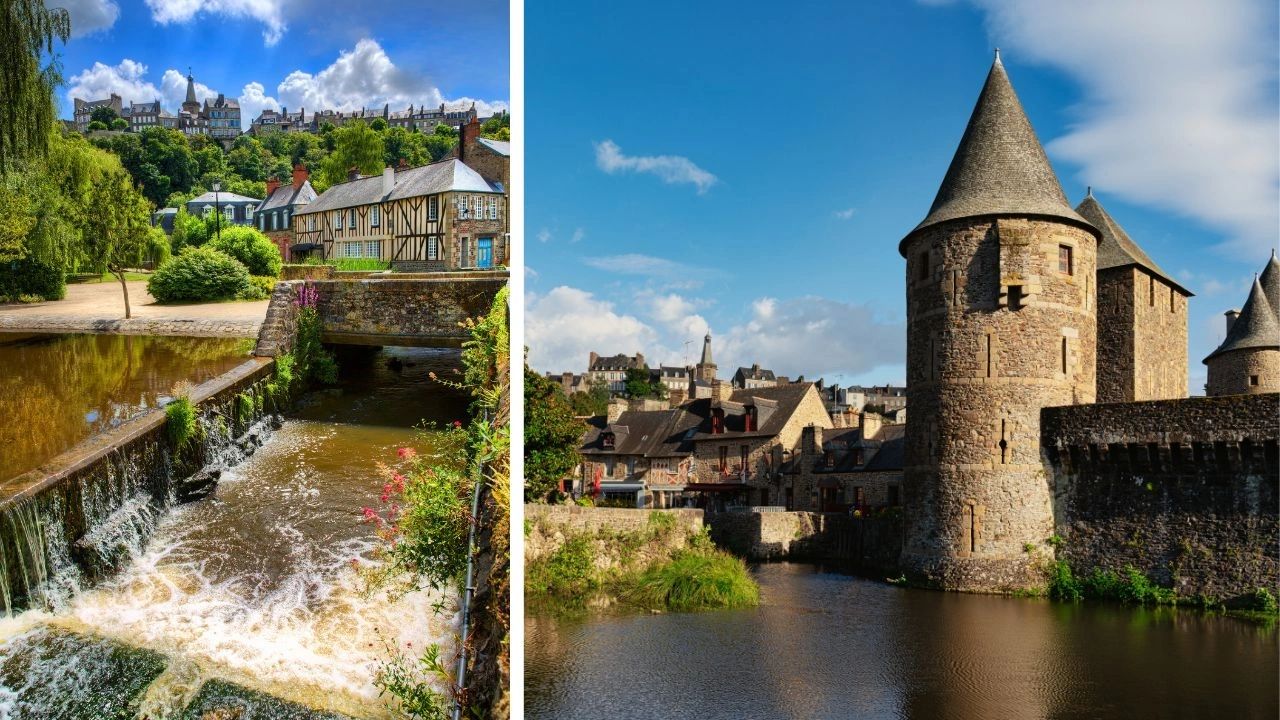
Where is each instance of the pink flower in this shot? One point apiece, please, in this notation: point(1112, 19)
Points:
point(397, 482)
point(457, 423)
point(406, 452)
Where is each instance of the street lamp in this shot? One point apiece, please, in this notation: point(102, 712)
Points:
point(217, 211)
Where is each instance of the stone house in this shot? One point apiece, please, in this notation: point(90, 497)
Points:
point(636, 456)
point(848, 467)
point(274, 217)
point(1248, 360)
point(437, 217)
point(236, 209)
point(754, 377)
point(1142, 317)
point(82, 110)
point(612, 370)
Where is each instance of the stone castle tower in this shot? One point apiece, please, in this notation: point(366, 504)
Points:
point(1248, 360)
point(1142, 318)
point(191, 104)
point(1000, 323)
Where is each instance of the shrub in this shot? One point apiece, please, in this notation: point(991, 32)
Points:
point(199, 274)
point(1261, 600)
point(568, 573)
point(158, 247)
point(251, 248)
point(31, 278)
point(264, 284)
point(694, 580)
point(1063, 584)
point(180, 422)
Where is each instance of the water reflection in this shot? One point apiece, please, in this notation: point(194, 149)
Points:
point(56, 390)
point(824, 645)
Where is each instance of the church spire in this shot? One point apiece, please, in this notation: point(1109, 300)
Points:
point(191, 90)
point(706, 350)
point(1000, 168)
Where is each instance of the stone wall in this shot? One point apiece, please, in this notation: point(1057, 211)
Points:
point(1183, 490)
point(871, 544)
point(995, 332)
point(306, 272)
point(1232, 373)
point(550, 525)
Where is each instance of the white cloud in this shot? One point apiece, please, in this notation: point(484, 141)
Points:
point(1179, 104)
point(100, 80)
point(173, 89)
point(253, 100)
point(677, 315)
point(636, 264)
point(544, 235)
point(90, 16)
point(813, 336)
point(845, 214)
point(672, 169)
point(578, 234)
point(269, 12)
point(566, 324)
point(365, 76)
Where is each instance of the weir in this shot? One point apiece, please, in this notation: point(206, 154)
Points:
point(73, 521)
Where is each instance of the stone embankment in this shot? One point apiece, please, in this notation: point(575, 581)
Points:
point(870, 544)
point(551, 525)
point(133, 326)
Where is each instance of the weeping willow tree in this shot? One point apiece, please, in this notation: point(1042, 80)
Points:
point(29, 74)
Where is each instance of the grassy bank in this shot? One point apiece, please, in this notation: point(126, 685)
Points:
point(661, 567)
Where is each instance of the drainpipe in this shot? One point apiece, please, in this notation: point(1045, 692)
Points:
point(469, 590)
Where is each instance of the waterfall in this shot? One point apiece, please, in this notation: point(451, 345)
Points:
point(88, 525)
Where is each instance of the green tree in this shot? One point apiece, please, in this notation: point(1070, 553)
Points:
point(592, 401)
point(104, 115)
point(497, 127)
point(119, 124)
point(97, 125)
point(639, 384)
point(378, 125)
point(29, 74)
point(188, 231)
point(411, 147)
point(354, 145)
point(117, 231)
point(441, 142)
point(551, 436)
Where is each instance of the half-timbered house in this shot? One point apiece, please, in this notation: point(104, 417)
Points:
point(442, 216)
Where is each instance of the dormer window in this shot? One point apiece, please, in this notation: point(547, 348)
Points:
point(607, 440)
point(829, 458)
point(717, 421)
point(750, 419)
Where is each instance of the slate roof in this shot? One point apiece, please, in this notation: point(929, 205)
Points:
point(755, 372)
point(1000, 168)
point(448, 175)
point(502, 147)
point(286, 195)
point(1270, 281)
point(1257, 326)
point(223, 197)
point(1115, 248)
point(884, 451)
point(621, 361)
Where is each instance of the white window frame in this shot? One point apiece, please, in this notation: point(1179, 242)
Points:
point(206, 211)
point(311, 222)
point(375, 216)
point(351, 249)
point(493, 208)
point(433, 208)
point(373, 248)
point(229, 212)
point(351, 219)
point(463, 211)
point(433, 248)
point(337, 219)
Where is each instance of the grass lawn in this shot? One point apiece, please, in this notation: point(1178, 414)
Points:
point(78, 278)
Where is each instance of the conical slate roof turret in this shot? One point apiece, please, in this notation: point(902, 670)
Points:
point(1000, 168)
point(1257, 326)
point(1270, 281)
point(1116, 248)
point(191, 89)
point(706, 350)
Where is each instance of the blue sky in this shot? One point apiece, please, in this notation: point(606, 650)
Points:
point(751, 169)
point(295, 53)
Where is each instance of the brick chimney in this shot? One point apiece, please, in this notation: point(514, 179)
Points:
point(467, 138)
point(811, 440)
point(273, 184)
point(300, 175)
point(353, 173)
point(1231, 318)
point(591, 360)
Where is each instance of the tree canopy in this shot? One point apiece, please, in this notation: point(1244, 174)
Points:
point(29, 74)
point(354, 145)
point(551, 436)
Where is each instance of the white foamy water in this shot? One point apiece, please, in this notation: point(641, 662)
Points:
point(261, 584)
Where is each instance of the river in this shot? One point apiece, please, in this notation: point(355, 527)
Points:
point(826, 645)
point(56, 390)
point(260, 584)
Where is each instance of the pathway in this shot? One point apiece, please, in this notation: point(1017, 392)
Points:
point(99, 307)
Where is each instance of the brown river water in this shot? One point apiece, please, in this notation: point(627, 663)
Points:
point(56, 390)
point(260, 584)
point(825, 646)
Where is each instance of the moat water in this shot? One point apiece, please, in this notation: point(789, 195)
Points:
point(260, 585)
point(825, 645)
point(57, 390)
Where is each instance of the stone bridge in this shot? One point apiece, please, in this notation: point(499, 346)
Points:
point(400, 309)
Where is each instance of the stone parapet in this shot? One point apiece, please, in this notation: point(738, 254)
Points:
point(135, 326)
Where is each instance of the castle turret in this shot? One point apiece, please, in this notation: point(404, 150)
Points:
point(1000, 323)
point(1248, 360)
point(191, 104)
point(1142, 318)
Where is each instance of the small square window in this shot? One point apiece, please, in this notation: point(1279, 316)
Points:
point(1253, 380)
point(1066, 265)
point(1015, 297)
point(922, 271)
